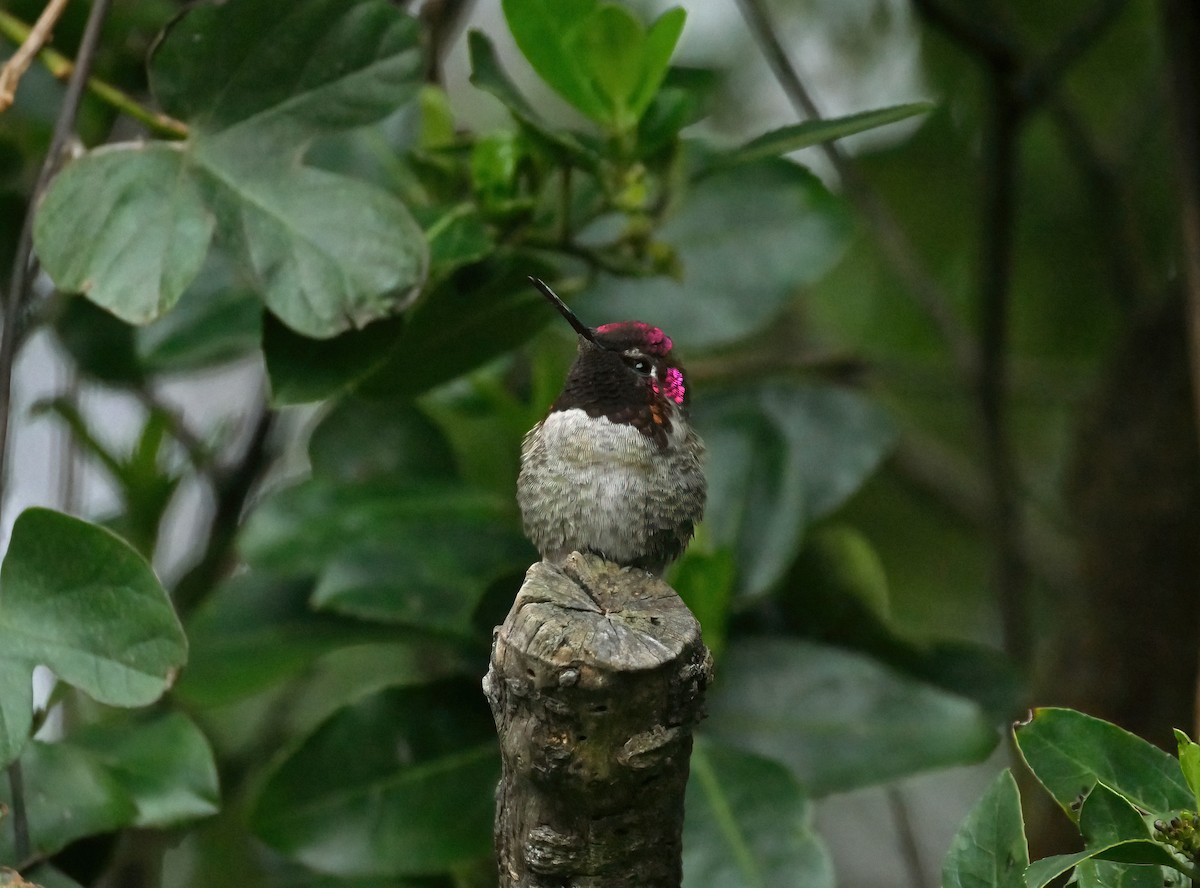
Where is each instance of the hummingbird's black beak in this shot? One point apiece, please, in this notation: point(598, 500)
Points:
point(580, 327)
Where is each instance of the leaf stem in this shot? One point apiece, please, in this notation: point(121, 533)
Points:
point(19, 292)
point(61, 67)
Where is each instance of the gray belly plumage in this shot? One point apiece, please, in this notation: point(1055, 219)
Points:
point(591, 485)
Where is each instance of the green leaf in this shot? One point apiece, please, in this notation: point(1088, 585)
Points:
point(80, 601)
point(164, 764)
point(748, 825)
point(431, 578)
point(812, 132)
point(1106, 818)
point(361, 58)
point(747, 239)
point(304, 370)
point(779, 458)
point(218, 320)
point(706, 581)
point(1114, 833)
point(989, 849)
point(1070, 753)
point(326, 252)
point(256, 631)
point(1096, 873)
point(1189, 762)
point(489, 75)
point(360, 440)
point(479, 313)
point(127, 226)
point(597, 56)
point(102, 346)
point(839, 720)
point(427, 751)
point(69, 794)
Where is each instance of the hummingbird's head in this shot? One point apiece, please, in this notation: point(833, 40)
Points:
point(625, 372)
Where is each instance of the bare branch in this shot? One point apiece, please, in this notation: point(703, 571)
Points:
point(39, 36)
point(892, 240)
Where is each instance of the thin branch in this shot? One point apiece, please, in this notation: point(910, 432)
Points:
point(973, 33)
point(1041, 80)
point(24, 264)
point(232, 492)
point(998, 218)
point(20, 816)
point(909, 847)
point(1181, 30)
point(894, 243)
point(61, 67)
point(24, 268)
point(18, 64)
point(1111, 207)
point(198, 453)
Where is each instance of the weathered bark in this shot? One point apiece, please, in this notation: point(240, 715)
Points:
point(597, 680)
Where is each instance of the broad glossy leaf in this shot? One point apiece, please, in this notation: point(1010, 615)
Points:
point(304, 370)
point(79, 600)
point(1117, 839)
point(69, 794)
point(812, 132)
point(256, 631)
point(747, 239)
point(748, 825)
point(779, 458)
point(478, 314)
point(326, 251)
point(1070, 753)
point(218, 319)
point(361, 58)
point(102, 346)
point(127, 226)
point(164, 764)
point(361, 439)
point(415, 797)
point(1096, 873)
point(297, 530)
point(840, 720)
point(596, 55)
point(430, 575)
point(706, 581)
point(488, 75)
point(989, 849)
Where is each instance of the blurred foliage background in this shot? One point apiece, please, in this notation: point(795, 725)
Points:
point(943, 367)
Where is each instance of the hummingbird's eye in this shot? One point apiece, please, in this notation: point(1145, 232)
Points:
point(643, 367)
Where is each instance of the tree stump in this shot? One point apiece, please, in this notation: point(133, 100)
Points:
point(596, 683)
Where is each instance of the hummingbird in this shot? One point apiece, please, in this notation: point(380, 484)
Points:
point(615, 469)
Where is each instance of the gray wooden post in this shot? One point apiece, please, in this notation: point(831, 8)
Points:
point(596, 682)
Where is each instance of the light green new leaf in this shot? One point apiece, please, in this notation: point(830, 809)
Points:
point(1070, 753)
point(748, 824)
point(127, 226)
point(840, 720)
point(989, 849)
point(596, 55)
point(1189, 762)
point(813, 132)
point(78, 599)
